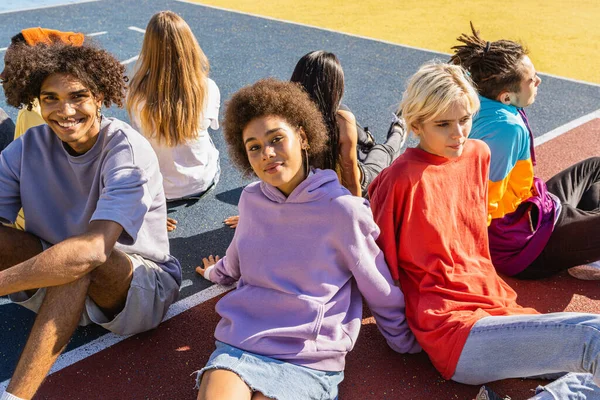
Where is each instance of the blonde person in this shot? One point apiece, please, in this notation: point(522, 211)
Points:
point(173, 102)
point(431, 209)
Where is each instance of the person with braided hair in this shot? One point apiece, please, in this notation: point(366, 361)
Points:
point(428, 207)
point(536, 229)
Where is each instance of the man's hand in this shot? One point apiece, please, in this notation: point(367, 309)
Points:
point(232, 221)
point(207, 263)
point(171, 224)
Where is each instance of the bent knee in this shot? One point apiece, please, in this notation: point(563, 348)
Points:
point(117, 268)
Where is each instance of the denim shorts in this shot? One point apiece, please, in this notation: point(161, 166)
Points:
point(275, 379)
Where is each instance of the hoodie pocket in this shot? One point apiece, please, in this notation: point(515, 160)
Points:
point(269, 322)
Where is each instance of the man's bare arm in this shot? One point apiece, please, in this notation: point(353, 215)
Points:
point(64, 262)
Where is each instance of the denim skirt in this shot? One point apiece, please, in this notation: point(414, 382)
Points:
point(274, 378)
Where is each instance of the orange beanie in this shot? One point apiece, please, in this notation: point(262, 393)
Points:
point(37, 35)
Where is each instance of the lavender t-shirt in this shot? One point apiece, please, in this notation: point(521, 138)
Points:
point(118, 179)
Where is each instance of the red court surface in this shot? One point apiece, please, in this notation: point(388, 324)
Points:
point(159, 364)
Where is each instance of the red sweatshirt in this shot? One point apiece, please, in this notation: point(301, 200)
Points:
point(432, 212)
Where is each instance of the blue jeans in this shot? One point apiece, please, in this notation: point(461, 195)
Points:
point(540, 346)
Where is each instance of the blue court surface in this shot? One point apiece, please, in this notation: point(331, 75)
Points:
point(241, 50)
point(10, 6)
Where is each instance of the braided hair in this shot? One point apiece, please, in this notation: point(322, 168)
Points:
point(494, 66)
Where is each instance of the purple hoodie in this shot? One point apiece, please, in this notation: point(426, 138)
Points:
point(301, 264)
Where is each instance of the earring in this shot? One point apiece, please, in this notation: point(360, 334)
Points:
point(98, 113)
point(305, 148)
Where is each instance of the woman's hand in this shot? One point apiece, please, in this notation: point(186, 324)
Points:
point(210, 261)
point(232, 221)
point(171, 224)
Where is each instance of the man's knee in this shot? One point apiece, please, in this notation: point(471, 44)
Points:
point(117, 268)
point(110, 283)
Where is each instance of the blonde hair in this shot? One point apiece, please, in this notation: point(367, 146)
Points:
point(170, 81)
point(432, 90)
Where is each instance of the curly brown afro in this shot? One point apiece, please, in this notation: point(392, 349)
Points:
point(271, 97)
point(29, 66)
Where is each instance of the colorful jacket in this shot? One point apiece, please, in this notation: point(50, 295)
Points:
point(521, 212)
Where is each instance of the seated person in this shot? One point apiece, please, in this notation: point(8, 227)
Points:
point(28, 118)
point(303, 253)
point(30, 115)
point(429, 205)
point(95, 248)
point(536, 229)
point(173, 102)
point(352, 150)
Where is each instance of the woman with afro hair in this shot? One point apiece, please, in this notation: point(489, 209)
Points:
point(303, 253)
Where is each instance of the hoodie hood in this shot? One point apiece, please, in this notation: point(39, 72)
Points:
point(319, 183)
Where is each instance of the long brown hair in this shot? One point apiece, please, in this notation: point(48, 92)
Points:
point(170, 80)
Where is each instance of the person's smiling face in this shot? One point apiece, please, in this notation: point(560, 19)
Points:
point(70, 109)
point(274, 150)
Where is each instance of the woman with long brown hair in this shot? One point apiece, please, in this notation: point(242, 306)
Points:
point(173, 102)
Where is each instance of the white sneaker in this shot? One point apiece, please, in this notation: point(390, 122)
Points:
point(588, 272)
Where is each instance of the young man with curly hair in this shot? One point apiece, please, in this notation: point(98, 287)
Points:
point(29, 117)
point(536, 229)
point(95, 248)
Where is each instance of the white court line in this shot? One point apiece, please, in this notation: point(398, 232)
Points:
point(569, 79)
point(554, 133)
point(48, 6)
point(362, 37)
point(135, 28)
point(111, 339)
point(3, 48)
point(130, 60)
point(185, 283)
point(96, 33)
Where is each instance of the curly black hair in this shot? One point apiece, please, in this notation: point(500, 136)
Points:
point(494, 66)
point(271, 97)
point(29, 66)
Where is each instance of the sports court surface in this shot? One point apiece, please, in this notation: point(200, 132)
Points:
point(243, 47)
